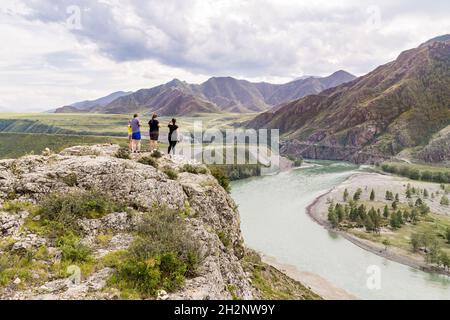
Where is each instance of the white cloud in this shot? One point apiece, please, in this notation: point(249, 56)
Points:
point(127, 45)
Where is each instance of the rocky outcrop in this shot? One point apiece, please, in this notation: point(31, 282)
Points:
point(438, 149)
point(212, 216)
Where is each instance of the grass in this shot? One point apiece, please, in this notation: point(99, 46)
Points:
point(193, 169)
point(149, 161)
point(104, 124)
point(221, 178)
point(59, 212)
point(171, 173)
point(401, 238)
point(163, 255)
point(15, 145)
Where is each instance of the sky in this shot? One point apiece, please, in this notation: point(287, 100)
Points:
point(55, 53)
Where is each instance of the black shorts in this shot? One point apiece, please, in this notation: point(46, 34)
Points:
point(154, 136)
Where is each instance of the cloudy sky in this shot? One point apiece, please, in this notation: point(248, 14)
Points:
point(58, 52)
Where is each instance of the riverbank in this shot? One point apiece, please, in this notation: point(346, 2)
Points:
point(318, 211)
point(312, 281)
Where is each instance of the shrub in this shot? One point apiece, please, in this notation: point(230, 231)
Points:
point(171, 173)
point(16, 206)
point(194, 169)
point(123, 153)
point(161, 257)
point(65, 209)
point(296, 161)
point(357, 195)
point(149, 161)
point(72, 249)
point(156, 154)
point(221, 178)
point(444, 201)
point(224, 238)
point(71, 179)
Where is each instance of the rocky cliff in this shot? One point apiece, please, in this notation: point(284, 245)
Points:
point(40, 246)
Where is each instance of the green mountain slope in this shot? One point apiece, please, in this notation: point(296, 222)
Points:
point(399, 105)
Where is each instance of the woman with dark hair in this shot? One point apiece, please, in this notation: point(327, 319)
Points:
point(154, 132)
point(173, 135)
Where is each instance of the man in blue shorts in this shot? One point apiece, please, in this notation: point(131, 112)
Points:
point(136, 135)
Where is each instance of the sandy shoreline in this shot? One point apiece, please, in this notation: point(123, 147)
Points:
point(314, 282)
point(318, 212)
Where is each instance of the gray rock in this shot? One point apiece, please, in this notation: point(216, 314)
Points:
point(212, 211)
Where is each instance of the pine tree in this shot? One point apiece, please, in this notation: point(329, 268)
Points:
point(394, 205)
point(400, 218)
point(425, 193)
point(406, 215)
point(447, 235)
point(408, 193)
point(357, 195)
point(346, 194)
point(372, 195)
point(387, 196)
point(444, 201)
point(332, 218)
point(339, 211)
point(386, 212)
point(414, 215)
point(368, 223)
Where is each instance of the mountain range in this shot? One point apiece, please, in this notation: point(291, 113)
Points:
point(88, 105)
point(397, 106)
point(218, 94)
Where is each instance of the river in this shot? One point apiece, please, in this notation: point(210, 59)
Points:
point(274, 222)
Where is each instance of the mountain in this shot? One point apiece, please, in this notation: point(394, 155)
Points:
point(89, 104)
point(234, 95)
point(173, 98)
point(304, 87)
point(69, 109)
point(218, 94)
point(398, 105)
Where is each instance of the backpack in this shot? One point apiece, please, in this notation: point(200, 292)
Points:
point(176, 136)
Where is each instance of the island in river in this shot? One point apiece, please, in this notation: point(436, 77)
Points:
point(391, 195)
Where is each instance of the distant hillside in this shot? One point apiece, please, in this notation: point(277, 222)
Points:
point(399, 105)
point(101, 102)
point(224, 94)
point(69, 109)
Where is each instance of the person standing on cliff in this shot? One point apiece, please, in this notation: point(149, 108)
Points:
point(136, 135)
point(173, 136)
point(154, 132)
point(130, 135)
